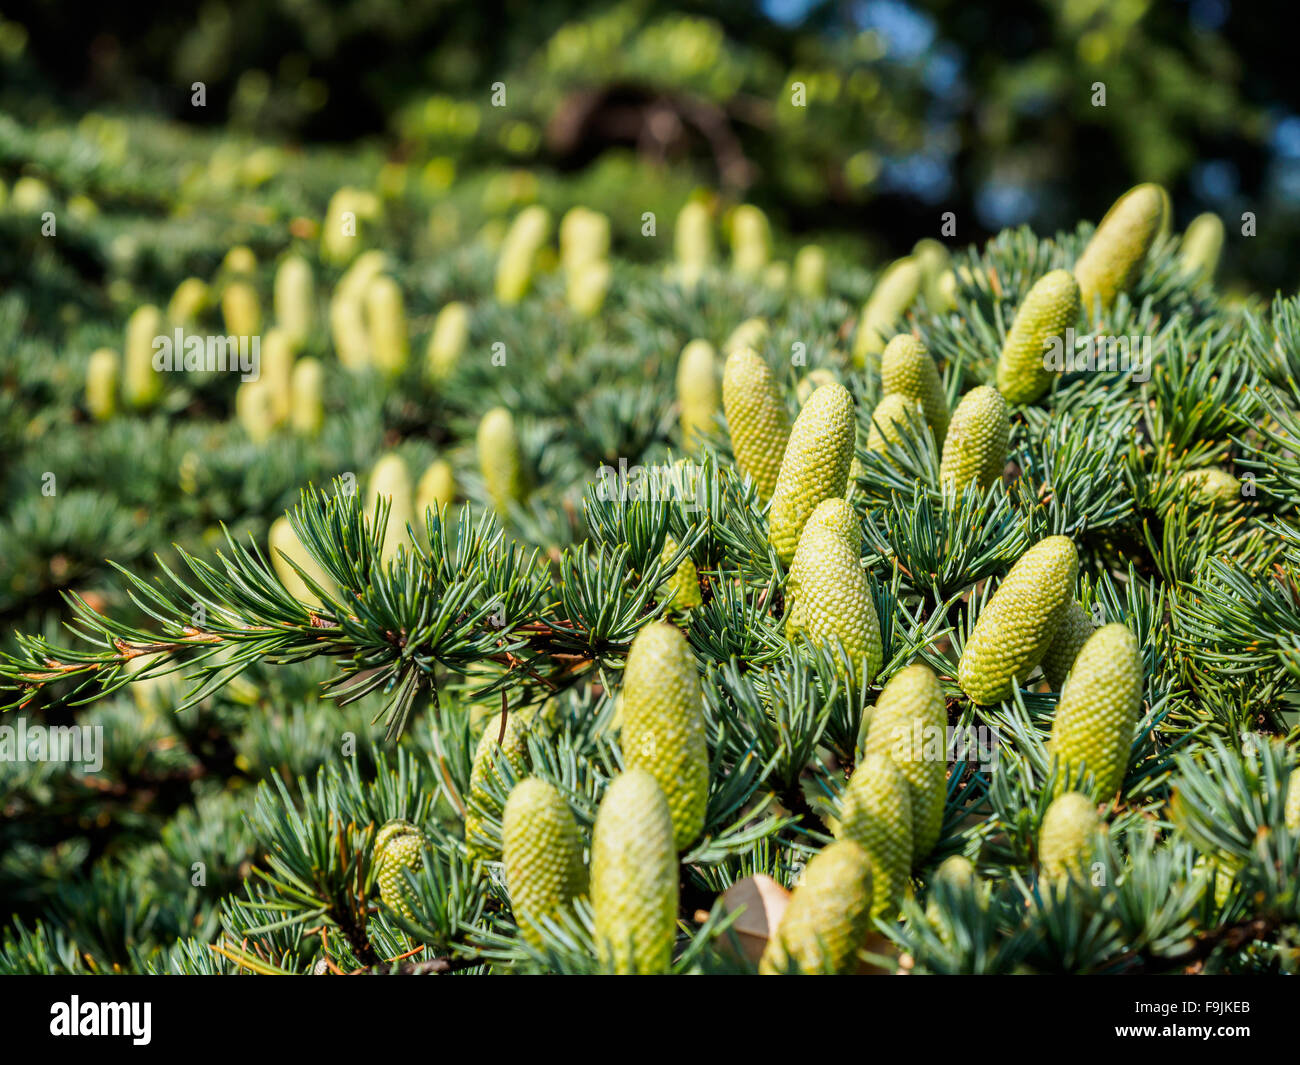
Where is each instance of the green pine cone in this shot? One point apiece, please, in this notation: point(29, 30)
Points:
point(682, 589)
point(1072, 633)
point(835, 514)
point(1202, 245)
point(757, 418)
point(876, 814)
point(906, 369)
point(447, 342)
point(1018, 623)
point(1291, 817)
point(541, 851)
point(1048, 310)
point(1211, 487)
point(390, 348)
point(294, 300)
point(283, 544)
point(751, 240)
point(810, 382)
point(102, 372)
point(499, 460)
point(241, 309)
point(815, 465)
point(634, 876)
point(828, 916)
point(833, 599)
point(1099, 708)
point(894, 293)
point(663, 724)
point(975, 450)
point(1066, 839)
point(909, 725)
point(693, 239)
point(390, 479)
point(142, 386)
point(490, 760)
point(895, 418)
point(306, 405)
point(935, 261)
point(1113, 259)
point(399, 845)
point(810, 272)
point(697, 391)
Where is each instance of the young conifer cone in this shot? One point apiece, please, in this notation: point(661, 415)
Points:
point(142, 386)
point(392, 480)
point(399, 845)
point(757, 418)
point(277, 373)
point(634, 876)
point(835, 514)
point(697, 391)
point(894, 293)
point(663, 724)
point(1211, 487)
point(1066, 839)
point(515, 265)
point(909, 725)
point(294, 299)
point(682, 589)
point(447, 342)
point(876, 814)
point(500, 462)
point(751, 240)
point(815, 465)
point(1018, 623)
point(386, 326)
point(1073, 632)
point(1291, 814)
point(241, 309)
point(1049, 308)
point(975, 450)
point(541, 851)
point(828, 916)
point(437, 489)
point(693, 241)
point(102, 373)
point(895, 418)
point(488, 775)
point(1099, 708)
point(1198, 258)
point(188, 301)
point(834, 601)
point(1113, 259)
point(283, 547)
point(907, 370)
point(307, 414)
point(810, 272)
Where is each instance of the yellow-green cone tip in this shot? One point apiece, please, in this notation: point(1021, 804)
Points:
point(1072, 633)
point(1017, 625)
point(757, 419)
point(1211, 487)
point(500, 462)
point(682, 589)
point(541, 854)
point(815, 465)
point(663, 724)
point(697, 391)
point(975, 450)
point(399, 845)
point(909, 725)
point(828, 915)
point(1113, 259)
point(876, 814)
point(906, 369)
point(1099, 708)
point(1048, 310)
point(634, 876)
point(893, 295)
point(1066, 839)
point(491, 760)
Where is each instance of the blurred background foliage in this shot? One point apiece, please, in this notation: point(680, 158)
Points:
point(912, 109)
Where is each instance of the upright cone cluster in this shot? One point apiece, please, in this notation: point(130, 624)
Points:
point(697, 391)
point(757, 419)
point(500, 461)
point(876, 814)
point(1048, 310)
point(663, 725)
point(1065, 841)
point(907, 370)
point(909, 725)
point(1113, 259)
point(541, 851)
point(1098, 710)
point(1017, 625)
point(815, 465)
point(634, 876)
point(399, 845)
point(975, 450)
point(828, 916)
